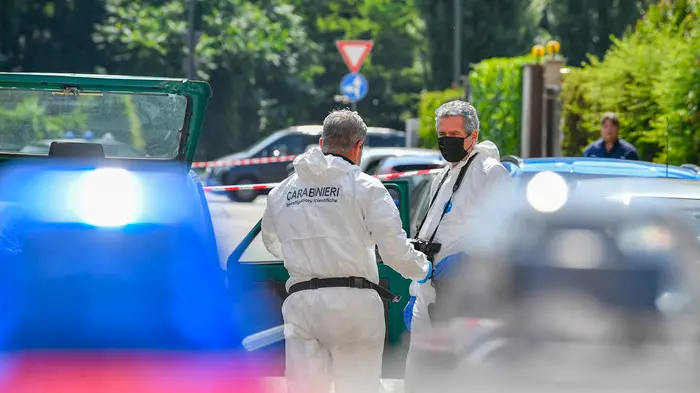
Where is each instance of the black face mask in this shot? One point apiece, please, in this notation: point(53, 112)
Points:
point(452, 148)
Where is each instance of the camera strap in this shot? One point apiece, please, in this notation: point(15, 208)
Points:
point(458, 182)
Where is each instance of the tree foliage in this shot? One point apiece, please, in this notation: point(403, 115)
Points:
point(49, 35)
point(497, 96)
point(257, 57)
point(495, 28)
point(273, 63)
point(392, 69)
point(651, 77)
point(588, 27)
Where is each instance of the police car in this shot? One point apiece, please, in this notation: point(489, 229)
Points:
point(109, 274)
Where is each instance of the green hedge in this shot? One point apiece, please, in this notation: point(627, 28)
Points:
point(497, 96)
point(651, 78)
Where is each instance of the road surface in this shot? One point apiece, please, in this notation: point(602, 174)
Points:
point(276, 384)
point(232, 221)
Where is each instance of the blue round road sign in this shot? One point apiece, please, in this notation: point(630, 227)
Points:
point(354, 87)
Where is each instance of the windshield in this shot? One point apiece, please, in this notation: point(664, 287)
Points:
point(381, 140)
point(127, 125)
point(265, 142)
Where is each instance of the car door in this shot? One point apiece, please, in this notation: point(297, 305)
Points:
point(251, 259)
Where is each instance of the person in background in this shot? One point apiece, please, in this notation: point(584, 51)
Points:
point(324, 221)
point(610, 145)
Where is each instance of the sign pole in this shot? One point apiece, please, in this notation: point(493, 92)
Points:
point(354, 106)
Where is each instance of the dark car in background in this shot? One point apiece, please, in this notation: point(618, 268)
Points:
point(290, 141)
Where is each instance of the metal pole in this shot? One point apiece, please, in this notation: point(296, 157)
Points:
point(457, 49)
point(191, 69)
point(354, 106)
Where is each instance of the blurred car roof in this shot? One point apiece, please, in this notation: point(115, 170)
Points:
point(372, 154)
point(641, 187)
point(597, 166)
point(416, 162)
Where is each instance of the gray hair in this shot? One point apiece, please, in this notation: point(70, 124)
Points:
point(459, 108)
point(341, 130)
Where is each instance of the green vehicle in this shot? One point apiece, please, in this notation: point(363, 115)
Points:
point(251, 259)
point(108, 259)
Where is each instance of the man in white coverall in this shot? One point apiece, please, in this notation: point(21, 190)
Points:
point(324, 222)
point(445, 222)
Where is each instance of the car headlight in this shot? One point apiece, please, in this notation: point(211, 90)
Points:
point(107, 197)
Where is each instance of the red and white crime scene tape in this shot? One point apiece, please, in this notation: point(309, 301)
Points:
point(264, 186)
point(246, 161)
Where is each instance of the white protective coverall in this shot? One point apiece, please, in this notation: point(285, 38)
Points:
point(485, 175)
point(324, 222)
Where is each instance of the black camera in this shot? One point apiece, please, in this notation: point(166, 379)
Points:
point(427, 248)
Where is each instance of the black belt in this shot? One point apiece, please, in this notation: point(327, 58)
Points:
point(347, 282)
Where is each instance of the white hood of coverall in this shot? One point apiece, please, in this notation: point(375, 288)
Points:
point(316, 166)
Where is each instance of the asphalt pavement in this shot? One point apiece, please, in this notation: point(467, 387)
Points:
point(233, 221)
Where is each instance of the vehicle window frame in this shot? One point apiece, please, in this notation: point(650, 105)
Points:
point(372, 167)
point(422, 203)
point(391, 139)
point(268, 150)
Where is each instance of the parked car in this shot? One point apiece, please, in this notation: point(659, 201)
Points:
point(291, 141)
point(410, 163)
point(373, 156)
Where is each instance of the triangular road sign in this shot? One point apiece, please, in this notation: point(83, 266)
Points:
point(354, 53)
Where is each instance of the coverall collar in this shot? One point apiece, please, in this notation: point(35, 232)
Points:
point(341, 156)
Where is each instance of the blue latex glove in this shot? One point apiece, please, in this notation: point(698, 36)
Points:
point(408, 312)
point(446, 266)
